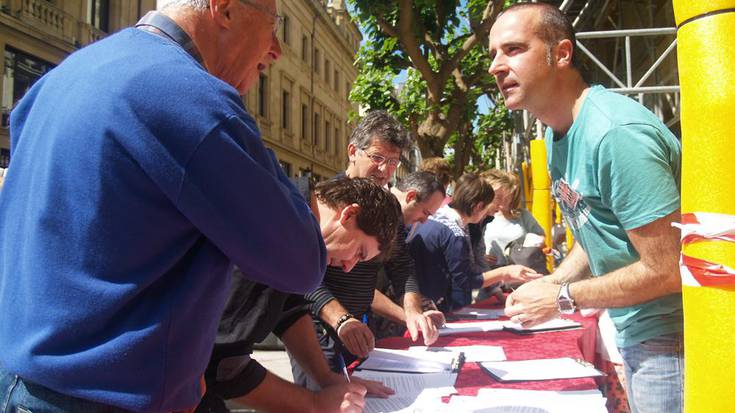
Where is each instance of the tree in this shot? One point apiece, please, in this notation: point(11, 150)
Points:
point(440, 45)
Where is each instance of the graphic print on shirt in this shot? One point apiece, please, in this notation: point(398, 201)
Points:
point(573, 207)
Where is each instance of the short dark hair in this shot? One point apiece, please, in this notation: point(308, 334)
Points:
point(425, 184)
point(553, 27)
point(439, 167)
point(380, 213)
point(379, 124)
point(471, 191)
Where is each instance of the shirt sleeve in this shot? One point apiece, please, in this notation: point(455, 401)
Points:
point(463, 278)
point(400, 268)
point(636, 175)
point(294, 308)
point(237, 195)
point(318, 299)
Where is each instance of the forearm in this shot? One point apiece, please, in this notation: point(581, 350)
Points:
point(573, 268)
point(493, 276)
point(300, 340)
point(412, 303)
point(630, 285)
point(269, 397)
point(386, 308)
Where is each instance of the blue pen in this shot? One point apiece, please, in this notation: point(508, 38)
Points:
point(343, 366)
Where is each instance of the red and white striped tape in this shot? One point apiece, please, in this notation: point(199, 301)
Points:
point(704, 226)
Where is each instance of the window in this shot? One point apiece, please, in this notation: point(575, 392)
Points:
point(336, 80)
point(21, 72)
point(304, 48)
point(315, 138)
point(4, 158)
point(327, 71)
point(286, 35)
point(98, 13)
point(316, 61)
point(337, 142)
point(262, 95)
point(347, 90)
point(304, 121)
point(286, 110)
point(286, 168)
point(328, 136)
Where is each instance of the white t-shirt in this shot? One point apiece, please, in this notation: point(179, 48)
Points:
point(501, 231)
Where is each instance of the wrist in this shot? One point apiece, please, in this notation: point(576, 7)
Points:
point(564, 301)
point(344, 318)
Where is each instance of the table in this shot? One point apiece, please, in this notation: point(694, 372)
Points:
point(577, 343)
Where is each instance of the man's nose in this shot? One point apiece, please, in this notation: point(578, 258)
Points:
point(275, 50)
point(497, 65)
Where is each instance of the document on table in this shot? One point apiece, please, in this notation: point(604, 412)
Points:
point(411, 361)
point(541, 369)
point(484, 326)
point(412, 391)
point(472, 354)
point(480, 326)
point(479, 313)
point(529, 401)
point(408, 384)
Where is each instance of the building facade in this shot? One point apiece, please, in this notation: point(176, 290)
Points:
point(301, 102)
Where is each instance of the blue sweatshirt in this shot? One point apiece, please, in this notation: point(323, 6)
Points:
point(442, 251)
point(136, 180)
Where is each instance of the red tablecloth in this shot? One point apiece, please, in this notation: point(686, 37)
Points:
point(578, 343)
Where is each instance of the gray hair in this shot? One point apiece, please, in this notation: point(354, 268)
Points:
point(379, 124)
point(424, 183)
point(198, 5)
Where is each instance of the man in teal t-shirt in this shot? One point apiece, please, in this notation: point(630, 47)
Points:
point(615, 171)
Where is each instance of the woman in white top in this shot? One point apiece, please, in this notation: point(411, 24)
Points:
point(511, 222)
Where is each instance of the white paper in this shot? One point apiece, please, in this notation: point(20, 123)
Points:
point(409, 361)
point(557, 323)
point(411, 385)
point(472, 327)
point(541, 369)
point(481, 313)
point(472, 354)
point(530, 401)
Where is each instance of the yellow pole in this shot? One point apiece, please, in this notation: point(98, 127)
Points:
point(541, 208)
point(526, 185)
point(706, 55)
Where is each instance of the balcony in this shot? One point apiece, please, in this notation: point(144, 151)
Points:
point(49, 19)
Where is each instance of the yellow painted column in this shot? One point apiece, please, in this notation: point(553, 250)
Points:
point(706, 58)
point(541, 208)
point(526, 185)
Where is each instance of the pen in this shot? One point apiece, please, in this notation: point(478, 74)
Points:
point(343, 366)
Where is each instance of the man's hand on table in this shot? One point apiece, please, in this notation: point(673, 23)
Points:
point(533, 303)
point(340, 398)
point(425, 323)
point(357, 337)
point(374, 388)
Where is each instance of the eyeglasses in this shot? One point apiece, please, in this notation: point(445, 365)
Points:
point(277, 17)
point(382, 160)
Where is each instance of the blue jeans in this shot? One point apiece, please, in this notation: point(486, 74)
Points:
point(19, 396)
point(654, 374)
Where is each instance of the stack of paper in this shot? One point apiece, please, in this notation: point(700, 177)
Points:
point(541, 369)
point(529, 401)
point(412, 391)
point(383, 359)
point(483, 326)
point(473, 353)
point(479, 313)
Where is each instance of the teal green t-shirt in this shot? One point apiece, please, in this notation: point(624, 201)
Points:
point(618, 168)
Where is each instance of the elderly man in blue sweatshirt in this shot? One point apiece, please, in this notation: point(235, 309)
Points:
point(137, 179)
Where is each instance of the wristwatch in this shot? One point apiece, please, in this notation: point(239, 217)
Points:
point(564, 300)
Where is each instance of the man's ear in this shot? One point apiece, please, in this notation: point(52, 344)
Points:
point(221, 10)
point(348, 213)
point(411, 195)
point(564, 52)
point(351, 152)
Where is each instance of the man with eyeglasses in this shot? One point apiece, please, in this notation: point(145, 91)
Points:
point(123, 212)
point(346, 296)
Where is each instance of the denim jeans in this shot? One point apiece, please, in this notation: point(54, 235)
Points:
point(654, 374)
point(19, 396)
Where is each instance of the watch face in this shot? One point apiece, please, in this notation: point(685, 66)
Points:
point(566, 306)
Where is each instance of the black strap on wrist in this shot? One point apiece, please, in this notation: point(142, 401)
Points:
point(343, 319)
